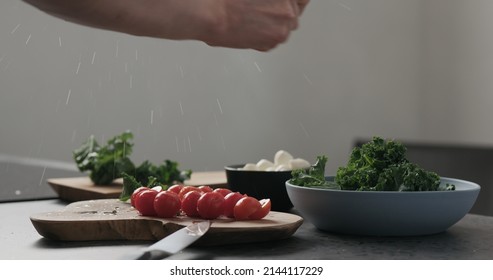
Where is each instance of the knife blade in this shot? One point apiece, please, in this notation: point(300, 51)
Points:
point(175, 242)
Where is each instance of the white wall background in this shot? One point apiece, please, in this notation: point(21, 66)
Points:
point(406, 69)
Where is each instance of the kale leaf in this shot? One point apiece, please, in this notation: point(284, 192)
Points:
point(111, 161)
point(105, 163)
point(381, 165)
point(313, 177)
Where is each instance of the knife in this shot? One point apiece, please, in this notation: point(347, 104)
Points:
point(175, 242)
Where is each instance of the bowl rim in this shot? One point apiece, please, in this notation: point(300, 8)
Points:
point(235, 168)
point(471, 187)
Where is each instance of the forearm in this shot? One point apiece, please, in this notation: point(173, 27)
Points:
point(255, 24)
point(169, 19)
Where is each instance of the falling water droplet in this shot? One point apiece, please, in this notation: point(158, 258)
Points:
point(28, 39)
point(15, 28)
point(220, 107)
point(42, 176)
point(152, 116)
point(189, 145)
point(307, 79)
point(68, 96)
point(258, 67)
point(93, 58)
point(304, 130)
point(181, 109)
point(78, 68)
point(60, 41)
point(344, 6)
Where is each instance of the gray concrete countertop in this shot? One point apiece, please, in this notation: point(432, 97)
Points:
point(470, 238)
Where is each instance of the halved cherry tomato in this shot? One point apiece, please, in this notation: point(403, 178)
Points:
point(144, 202)
point(262, 211)
point(189, 203)
point(210, 205)
point(222, 191)
point(245, 207)
point(175, 188)
point(229, 203)
point(167, 204)
point(134, 194)
point(186, 189)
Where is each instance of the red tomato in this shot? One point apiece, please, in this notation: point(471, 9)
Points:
point(229, 203)
point(210, 205)
point(144, 202)
point(222, 191)
point(189, 203)
point(263, 211)
point(186, 189)
point(245, 207)
point(175, 188)
point(134, 194)
point(158, 188)
point(167, 204)
point(205, 189)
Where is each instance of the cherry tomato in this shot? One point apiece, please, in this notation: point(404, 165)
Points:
point(222, 191)
point(210, 205)
point(175, 188)
point(229, 203)
point(134, 194)
point(158, 188)
point(205, 189)
point(263, 211)
point(167, 204)
point(245, 207)
point(144, 202)
point(189, 203)
point(186, 189)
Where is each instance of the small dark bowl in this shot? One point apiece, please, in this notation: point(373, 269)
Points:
point(261, 184)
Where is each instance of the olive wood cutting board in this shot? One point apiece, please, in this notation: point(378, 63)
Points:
point(111, 219)
point(82, 188)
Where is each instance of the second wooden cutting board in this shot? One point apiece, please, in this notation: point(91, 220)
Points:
point(82, 188)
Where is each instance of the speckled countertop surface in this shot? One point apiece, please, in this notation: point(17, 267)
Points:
point(470, 238)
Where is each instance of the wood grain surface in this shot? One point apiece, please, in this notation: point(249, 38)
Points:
point(111, 219)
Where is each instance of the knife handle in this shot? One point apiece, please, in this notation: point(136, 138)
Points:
point(154, 255)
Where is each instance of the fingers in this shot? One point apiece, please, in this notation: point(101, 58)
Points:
point(302, 4)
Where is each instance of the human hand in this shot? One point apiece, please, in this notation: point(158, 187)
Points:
point(255, 24)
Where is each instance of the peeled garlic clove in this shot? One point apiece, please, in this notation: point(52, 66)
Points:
point(299, 163)
point(250, 166)
point(263, 164)
point(282, 157)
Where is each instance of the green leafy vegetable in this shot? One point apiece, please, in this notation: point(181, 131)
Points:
point(105, 163)
point(381, 165)
point(111, 161)
point(130, 184)
point(314, 176)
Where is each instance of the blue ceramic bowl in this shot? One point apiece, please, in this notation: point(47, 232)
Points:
point(384, 213)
